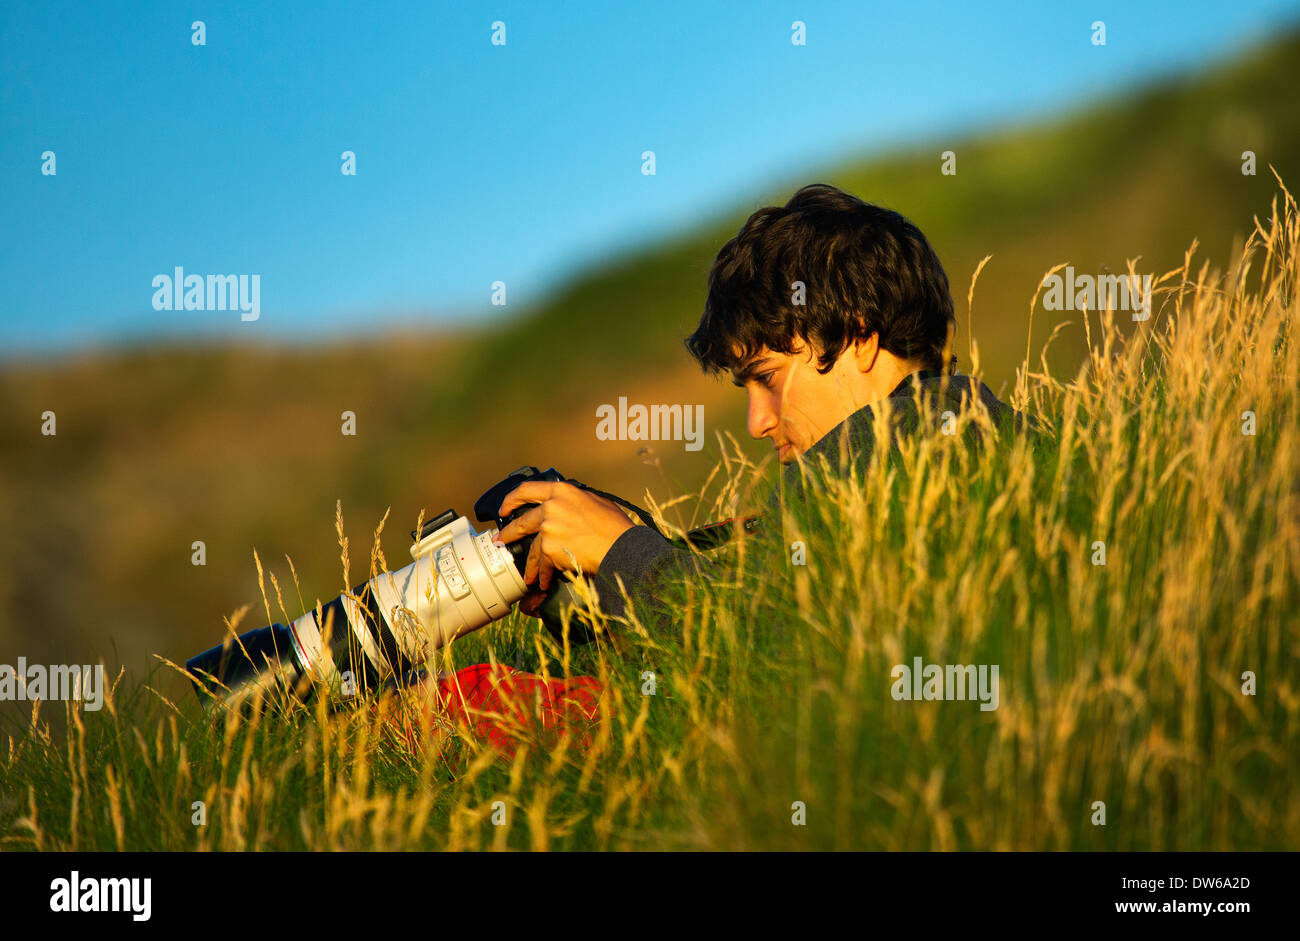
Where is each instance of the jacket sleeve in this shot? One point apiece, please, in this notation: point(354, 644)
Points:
point(643, 559)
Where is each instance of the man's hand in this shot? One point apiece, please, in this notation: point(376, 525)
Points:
point(572, 525)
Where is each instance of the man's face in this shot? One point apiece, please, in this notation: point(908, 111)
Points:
point(792, 403)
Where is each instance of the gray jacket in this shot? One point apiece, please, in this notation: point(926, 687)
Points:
point(641, 556)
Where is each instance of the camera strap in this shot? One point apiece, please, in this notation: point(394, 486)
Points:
point(708, 536)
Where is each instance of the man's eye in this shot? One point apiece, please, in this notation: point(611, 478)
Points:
point(766, 379)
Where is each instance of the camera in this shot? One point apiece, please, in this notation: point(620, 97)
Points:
point(381, 632)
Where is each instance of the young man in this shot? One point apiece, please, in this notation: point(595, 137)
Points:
point(820, 309)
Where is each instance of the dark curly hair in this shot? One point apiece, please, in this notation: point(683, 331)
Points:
point(865, 269)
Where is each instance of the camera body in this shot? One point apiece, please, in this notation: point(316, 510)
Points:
point(382, 631)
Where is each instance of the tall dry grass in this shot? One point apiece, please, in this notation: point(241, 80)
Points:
point(1126, 684)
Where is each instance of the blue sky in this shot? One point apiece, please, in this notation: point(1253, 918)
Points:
point(475, 162)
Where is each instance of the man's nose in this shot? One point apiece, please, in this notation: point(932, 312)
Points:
point(761, 417)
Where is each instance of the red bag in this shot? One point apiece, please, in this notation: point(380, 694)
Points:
point(504, 705)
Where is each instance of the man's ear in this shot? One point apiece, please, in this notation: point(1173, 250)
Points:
point(866, 351)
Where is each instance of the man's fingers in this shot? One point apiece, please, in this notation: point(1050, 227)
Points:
point(564, 518)
point(532, 603)
point(530, 491)
point(529, 522)
point(540, 568)
point(531, 565)
point(545, 571)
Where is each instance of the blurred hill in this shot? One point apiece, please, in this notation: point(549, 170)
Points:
point(240, 446)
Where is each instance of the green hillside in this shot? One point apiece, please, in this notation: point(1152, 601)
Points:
point(241, 447)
